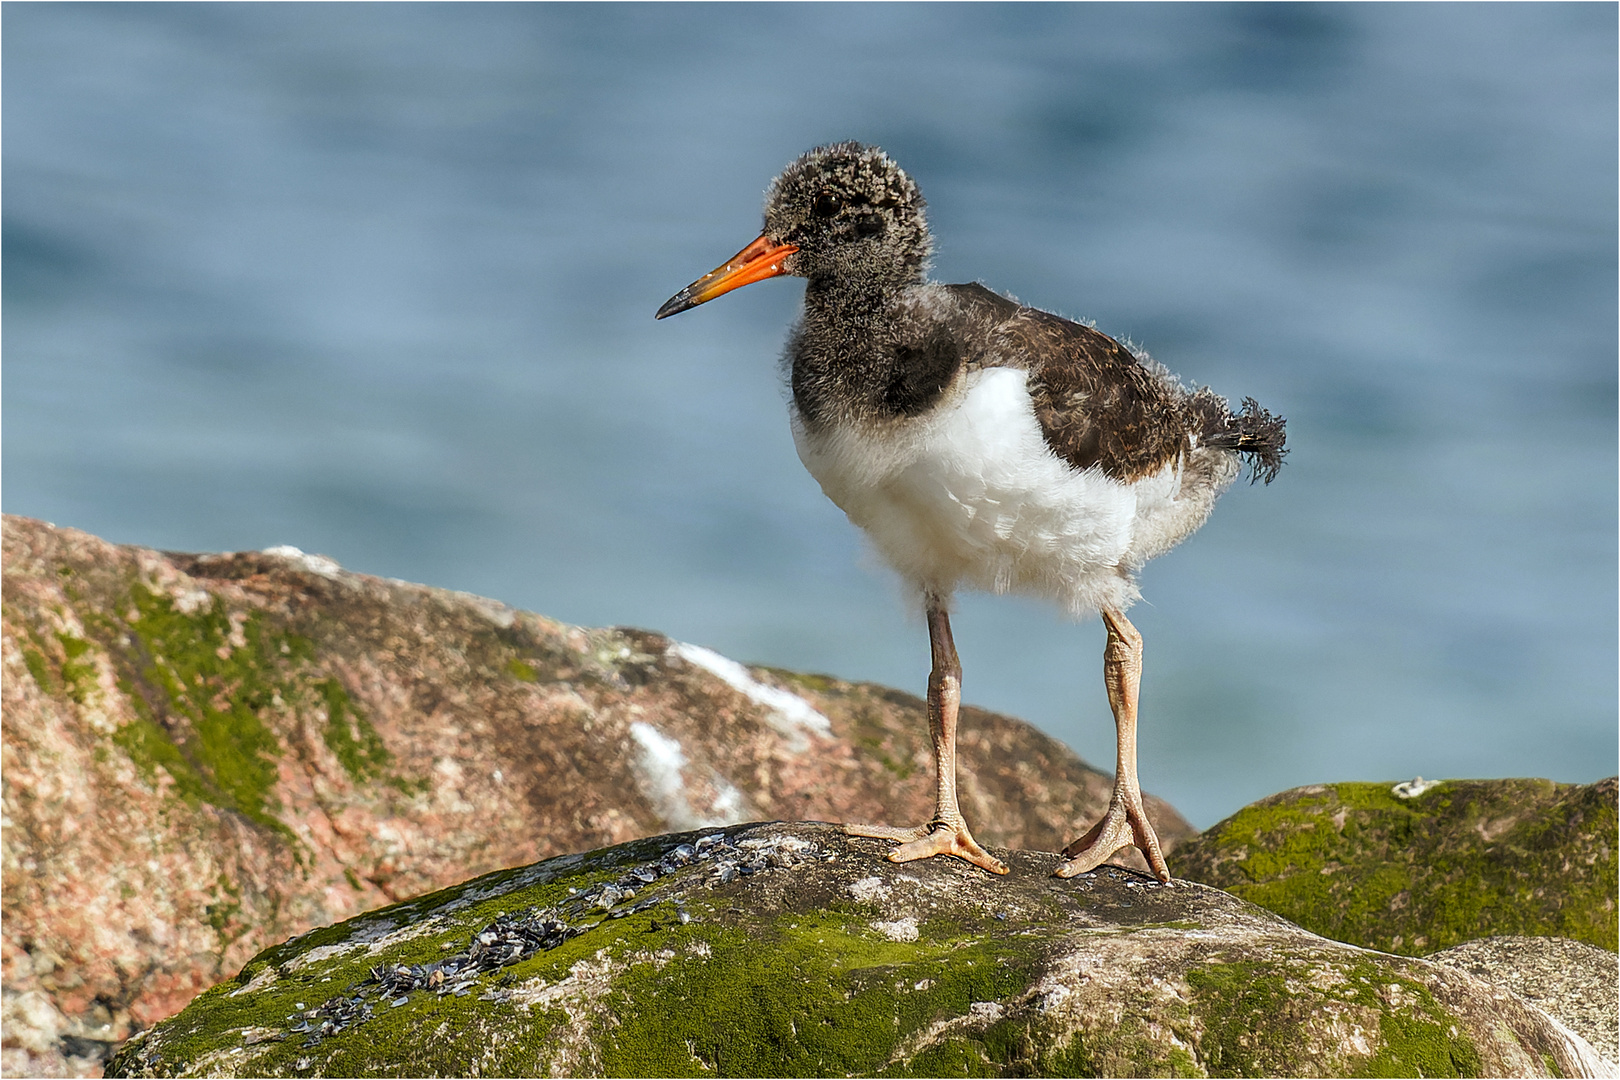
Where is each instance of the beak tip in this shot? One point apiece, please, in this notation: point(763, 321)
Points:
point(673, 306)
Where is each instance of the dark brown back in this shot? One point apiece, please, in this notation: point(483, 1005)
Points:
point(1097, 404)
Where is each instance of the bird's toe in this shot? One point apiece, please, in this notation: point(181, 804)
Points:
point(1121, 827)
point(944, 840)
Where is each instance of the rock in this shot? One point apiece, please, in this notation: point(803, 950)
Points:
point(792, 950)
point(204, 754)
point(1578, 984)
point(1457, 860)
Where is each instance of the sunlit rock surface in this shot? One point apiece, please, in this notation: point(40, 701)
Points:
point(206, 754)
point(1579, 984)
point(792, 950)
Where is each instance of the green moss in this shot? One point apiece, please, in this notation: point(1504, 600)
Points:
point(77, 673)
point(350, 736)
point(876, 748)
point(952, 1057)
point(817, 683)
point(205, 692)
point(205, 728)
point(1241, 1004)
point(224, 914)
point(520, 671)
point(1355, 863)
point(36, 656)
point(37, 667)
point(1126, 1048)
point(150, 748)
point(1414, 1046)
point(1183, 1063)
point(854, 993)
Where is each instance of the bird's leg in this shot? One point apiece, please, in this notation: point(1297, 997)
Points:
point(1126, 821)
point(947, 833)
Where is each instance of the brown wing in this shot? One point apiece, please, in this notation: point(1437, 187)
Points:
point(1096, 403)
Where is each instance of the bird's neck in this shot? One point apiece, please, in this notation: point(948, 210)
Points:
point(845, 302)
point(852, 358)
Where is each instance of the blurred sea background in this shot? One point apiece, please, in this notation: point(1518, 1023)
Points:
point(378, 281)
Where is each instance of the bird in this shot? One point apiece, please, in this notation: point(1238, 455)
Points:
point(980, 443)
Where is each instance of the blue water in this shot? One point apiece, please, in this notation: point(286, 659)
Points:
point(378, 281)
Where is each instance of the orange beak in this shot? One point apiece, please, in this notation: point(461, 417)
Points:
point(756, 262)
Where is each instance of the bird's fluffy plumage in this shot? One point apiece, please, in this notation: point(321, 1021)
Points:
point(1016, 473)
point(982, 443)
point(977, 441)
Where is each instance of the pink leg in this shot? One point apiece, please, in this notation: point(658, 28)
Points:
point(947, 833)
point(1126, 821)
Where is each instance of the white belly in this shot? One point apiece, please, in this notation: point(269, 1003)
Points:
point(971, 495)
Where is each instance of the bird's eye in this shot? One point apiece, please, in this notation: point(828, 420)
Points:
point(826, 204)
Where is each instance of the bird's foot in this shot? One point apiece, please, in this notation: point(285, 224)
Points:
point(1125, 824)
point(926, 841)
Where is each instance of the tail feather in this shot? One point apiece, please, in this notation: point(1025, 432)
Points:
point(1253, 432)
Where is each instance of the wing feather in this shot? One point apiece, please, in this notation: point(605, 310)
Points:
point(1097, 403)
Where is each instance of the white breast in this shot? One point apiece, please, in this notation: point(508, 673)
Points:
point(970, 494)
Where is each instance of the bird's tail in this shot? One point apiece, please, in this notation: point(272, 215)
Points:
point(1253, 432)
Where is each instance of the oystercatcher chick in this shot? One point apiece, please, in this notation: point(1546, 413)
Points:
point(985, 444)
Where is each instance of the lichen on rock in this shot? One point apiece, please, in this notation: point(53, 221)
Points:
point(774, 950)
point(1576, 983)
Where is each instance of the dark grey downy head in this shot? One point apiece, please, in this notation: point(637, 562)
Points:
point(854, 215)
point(844, 216)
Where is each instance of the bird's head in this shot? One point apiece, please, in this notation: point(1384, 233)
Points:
point(841, 215)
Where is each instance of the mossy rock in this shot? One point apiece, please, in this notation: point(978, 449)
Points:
point(793, 950)
point(205, 754)
point(1461, 859)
